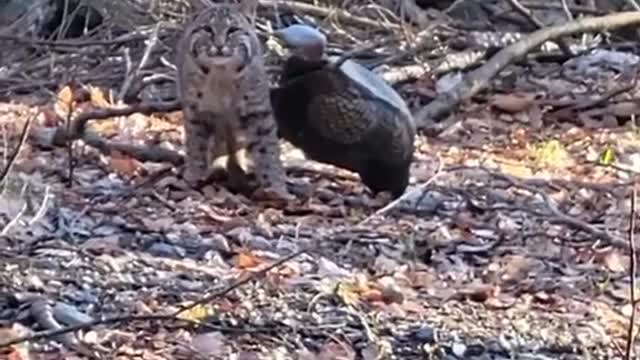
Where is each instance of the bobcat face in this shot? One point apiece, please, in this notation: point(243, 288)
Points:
point(222, 36)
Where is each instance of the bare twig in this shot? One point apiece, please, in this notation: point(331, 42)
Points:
point(43, 206)
point(70, 110)
point(150, 43)
point(10, 224)
point(418, 190)
point(246, 279)
point(48, 334)
point(342, 15)
point(363, 49)
point(567, 11)
point(632, 273)
point(479, 79)
point(538, 24)
point(136, 36)
point(16, 151)
point(634, 4)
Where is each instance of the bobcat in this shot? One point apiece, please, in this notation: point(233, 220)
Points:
point(224, 92)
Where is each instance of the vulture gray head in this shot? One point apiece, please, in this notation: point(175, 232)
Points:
point(304, 40)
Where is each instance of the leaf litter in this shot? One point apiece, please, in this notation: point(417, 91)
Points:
point(482, 266)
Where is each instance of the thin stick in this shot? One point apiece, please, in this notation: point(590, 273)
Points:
point(538, 24)
point(87, 325)
point(632, 274)
point(420, 189)
point(238, 283)
point(70, 144)
point(16, 151)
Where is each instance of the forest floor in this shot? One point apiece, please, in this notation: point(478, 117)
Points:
point(510, 243)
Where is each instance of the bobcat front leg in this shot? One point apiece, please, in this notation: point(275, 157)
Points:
point(264, 149)
point(197, 136)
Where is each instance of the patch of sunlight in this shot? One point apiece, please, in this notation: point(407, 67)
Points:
point(551, 153)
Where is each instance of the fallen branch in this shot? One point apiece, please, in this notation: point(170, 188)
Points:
point(77, 127)
point(479, 79)
point(158, 154)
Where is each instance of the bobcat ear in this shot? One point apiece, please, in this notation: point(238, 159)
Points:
point(249, 8)
point(198, 6)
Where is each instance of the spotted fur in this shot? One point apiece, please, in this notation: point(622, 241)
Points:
point(224, 91)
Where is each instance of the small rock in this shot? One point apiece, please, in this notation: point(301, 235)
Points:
point(424, 334)
point(217, 242)
point(459, 349)
point(260, 243)
point(475, 350)
point(69, 315)
point(168, 250)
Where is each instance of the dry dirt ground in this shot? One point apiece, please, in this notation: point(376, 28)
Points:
point(511, 242)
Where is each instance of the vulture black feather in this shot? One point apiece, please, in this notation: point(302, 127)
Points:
point(345, 116)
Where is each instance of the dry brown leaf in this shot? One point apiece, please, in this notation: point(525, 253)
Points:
point(544, 297)
point(517, 267)
point(246, 260)
point(373, 295)
point(518, 170)
point(104, 245)
point(392, 294)
point(19, 354)
point(420, 279)
point(480, 292)
point(512, 103)
point(415, 307)
point(212, 344)
point(335, 351)
point(612, 260)
point(17, 351)
point(500, 302)
point(98, 97)
point(158, 225)
point(124, 165)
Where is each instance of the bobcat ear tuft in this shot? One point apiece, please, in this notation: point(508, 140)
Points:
point(249, 8)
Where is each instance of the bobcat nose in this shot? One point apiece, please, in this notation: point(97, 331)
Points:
point(220, 49)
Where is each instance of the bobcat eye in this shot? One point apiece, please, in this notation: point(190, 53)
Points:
point(208, 29)
point(232, 30)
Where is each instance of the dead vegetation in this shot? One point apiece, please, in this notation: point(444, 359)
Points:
point(512, 241)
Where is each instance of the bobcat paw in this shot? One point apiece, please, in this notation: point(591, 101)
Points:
point(272, 194)
point(194, 179)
